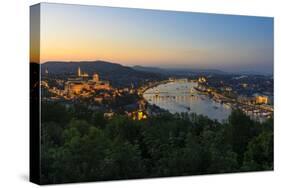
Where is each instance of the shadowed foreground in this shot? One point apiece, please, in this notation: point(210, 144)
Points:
point(78, 145)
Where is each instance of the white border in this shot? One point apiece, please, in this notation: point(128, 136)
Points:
point(14, 114)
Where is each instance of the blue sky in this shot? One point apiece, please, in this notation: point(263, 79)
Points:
point(167, 39)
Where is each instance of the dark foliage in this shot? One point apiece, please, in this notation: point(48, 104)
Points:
point(78, 145)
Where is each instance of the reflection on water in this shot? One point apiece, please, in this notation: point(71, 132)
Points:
point(180, 96)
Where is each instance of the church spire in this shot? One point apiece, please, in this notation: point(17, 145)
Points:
point(79, 71)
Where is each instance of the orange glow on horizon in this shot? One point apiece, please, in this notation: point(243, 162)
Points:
point(116, 51)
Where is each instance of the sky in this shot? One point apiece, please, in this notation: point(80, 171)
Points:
point(165, 39)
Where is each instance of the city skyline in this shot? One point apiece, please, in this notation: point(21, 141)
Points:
point(154, 38)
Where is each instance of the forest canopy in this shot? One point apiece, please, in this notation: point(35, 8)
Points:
point(79, 145)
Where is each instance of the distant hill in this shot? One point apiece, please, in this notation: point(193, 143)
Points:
point(117, 74)
point(179, 71)
point(199, 71)
point(150, 69)
point(59, 67)
point(255, 73)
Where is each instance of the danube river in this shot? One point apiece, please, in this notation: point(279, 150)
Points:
point(180, 96)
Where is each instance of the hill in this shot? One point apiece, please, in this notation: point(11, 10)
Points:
point(117, 74)
point(178, 71)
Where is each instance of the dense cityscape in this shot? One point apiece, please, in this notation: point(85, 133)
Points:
point(253, 94)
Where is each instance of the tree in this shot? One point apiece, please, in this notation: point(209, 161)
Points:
point(240, 131)
point(259, 155)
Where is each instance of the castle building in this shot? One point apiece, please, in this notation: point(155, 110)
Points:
point(76, 86)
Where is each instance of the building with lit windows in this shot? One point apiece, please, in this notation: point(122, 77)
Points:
point(76, 86)
point(261, 99)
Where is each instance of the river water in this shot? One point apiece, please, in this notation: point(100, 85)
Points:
point(180, 96)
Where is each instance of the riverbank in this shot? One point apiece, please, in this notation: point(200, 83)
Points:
point(186, 96)
point(181, 97)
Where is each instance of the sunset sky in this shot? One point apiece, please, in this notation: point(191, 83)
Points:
point(165, 39)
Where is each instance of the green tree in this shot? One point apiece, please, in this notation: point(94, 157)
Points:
point(259, 155)
point(240, 131)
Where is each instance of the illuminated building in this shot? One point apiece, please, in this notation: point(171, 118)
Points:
point(74, 87)
point(81, 74)
point(83, 87)
point(261, 99)
point(98, 84)
point(44, 84)
point(140, 115)
point(202, 79)
point(96, 77)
